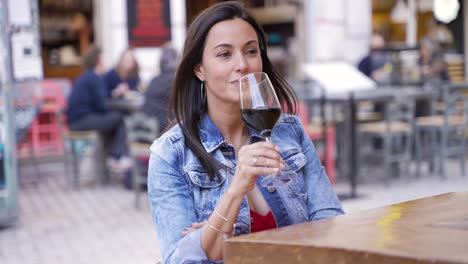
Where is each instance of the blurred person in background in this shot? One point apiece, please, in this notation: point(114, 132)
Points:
point(375, 64)
point(433, 70)
point(158, 93)
point(440, 34)
point(431, 62)
point(205, 171)
point(124, 77)
point(87, 110)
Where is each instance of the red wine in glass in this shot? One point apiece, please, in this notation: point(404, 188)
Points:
point(260, 110)
point(261, 119)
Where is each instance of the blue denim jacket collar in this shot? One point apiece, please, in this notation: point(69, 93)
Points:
point(211, 138)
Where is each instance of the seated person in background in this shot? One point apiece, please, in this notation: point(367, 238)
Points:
point(124, 77)
point(374, 64)
point(433, 69)
point(158, 93)
point(431, 62)
point(87, 110)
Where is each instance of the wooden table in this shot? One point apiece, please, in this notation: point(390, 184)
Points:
point(428, 230)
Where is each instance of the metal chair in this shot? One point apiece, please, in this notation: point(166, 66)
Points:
point(25, 117)
point(444, 134)
point(316, 132)
point(75, 143)
point(395, 133)
point(142, 130)
point(27, 145)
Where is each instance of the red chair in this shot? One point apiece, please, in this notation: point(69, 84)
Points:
point(315, 131)
point(45, 129)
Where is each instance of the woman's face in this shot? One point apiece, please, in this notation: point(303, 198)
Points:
point(128, 61)
point(425, 52)
point(231, 51)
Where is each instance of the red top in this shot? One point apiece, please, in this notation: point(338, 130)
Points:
point(261, 222)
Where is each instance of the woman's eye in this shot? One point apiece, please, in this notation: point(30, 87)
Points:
point(252, 51)
point(223, 54)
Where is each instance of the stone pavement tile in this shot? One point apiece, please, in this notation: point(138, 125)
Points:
point(376, 194)
point(7, 238)
point(58, 224)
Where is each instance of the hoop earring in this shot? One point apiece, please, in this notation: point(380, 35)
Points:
point(202, 93)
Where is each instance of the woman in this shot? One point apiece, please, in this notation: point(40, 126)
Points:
point(124, 77)
point(204, 173)
point(433, 70)
point(158, 92)
point(431, 62)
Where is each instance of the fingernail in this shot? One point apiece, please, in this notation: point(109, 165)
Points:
point(277, 148)
point(275, 169)
point(282, 165)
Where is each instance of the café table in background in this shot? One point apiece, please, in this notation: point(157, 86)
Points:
point(350, 101)
point(126, 105)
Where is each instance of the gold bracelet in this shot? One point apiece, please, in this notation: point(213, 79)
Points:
point(218, 214)
point(225, 235)
point(214, 228)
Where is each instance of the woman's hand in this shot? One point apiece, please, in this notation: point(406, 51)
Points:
point(253, 160)
point(120, 90)
point(192, 228)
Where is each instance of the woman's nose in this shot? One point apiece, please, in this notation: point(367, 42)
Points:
point(241, 65)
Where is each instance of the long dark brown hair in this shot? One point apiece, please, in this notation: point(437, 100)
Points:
point(123, 73)
point(186, 100)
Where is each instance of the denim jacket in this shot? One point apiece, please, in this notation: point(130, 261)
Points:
point(181, 193)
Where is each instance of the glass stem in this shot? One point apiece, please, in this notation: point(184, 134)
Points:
point(268, 139)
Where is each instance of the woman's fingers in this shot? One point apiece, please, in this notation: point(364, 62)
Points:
point(198, 225)
point(260, 161)
point(186, 232)
point(261, 154)
point(261, 158)
point(264, 170)
point(260, 149)
point(192, 228)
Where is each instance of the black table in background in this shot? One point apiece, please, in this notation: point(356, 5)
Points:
point(351, 101)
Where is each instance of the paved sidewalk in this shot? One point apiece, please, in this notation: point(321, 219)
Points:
point(91, 225)
point(100, 224)
point(373, 192)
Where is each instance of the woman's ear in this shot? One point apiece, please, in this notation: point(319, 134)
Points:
point(198, 70)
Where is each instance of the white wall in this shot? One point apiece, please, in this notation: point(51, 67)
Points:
point(333, 30)
point(111, 34)
point(336, 30)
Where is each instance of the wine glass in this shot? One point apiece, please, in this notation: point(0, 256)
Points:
point(260, 109)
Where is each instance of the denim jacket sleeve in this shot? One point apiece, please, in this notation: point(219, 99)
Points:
point(322, 200)
point(172, 205)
